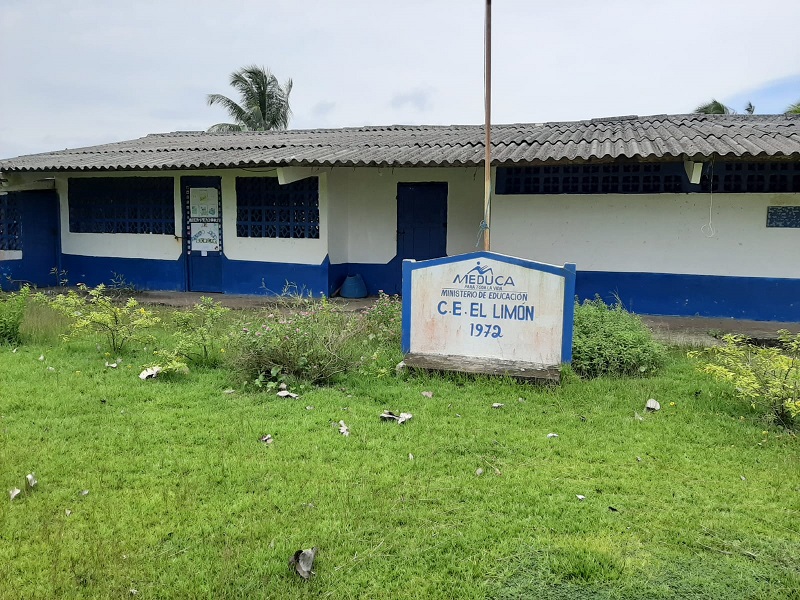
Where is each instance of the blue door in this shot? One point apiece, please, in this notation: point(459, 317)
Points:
point(421, 223)
point(202, 237)
point(29, 224)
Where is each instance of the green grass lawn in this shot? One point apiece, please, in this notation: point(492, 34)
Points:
point(184, 500)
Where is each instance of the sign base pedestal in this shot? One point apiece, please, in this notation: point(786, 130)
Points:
point(484, 366)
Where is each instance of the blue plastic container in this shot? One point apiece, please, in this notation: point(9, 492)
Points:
point(353, 287)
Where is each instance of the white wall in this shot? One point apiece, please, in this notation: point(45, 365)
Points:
point(649, 233)
point(301, 251)
point(169, 247)
point(121, 245)
point(358, 224)
point(363, 209)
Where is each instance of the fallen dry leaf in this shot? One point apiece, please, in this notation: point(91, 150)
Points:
point(343, 429)
point(388, 415)
point(428, 394)
point(287, 394)
point(14, 492)
point(303, 561)
point(150, 373)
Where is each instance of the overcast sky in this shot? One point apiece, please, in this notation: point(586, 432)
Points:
point(83, 72)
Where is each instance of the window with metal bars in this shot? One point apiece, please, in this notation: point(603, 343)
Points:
point(751, 177)
point(122, 205)
point(648, 178)
point(264, 208)
point(10, 235)
point(783, 216)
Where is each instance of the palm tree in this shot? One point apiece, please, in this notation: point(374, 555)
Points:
point(715, 107)
point(264, 102)
point(794, 109)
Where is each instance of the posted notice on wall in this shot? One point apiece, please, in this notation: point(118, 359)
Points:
point(203, 203)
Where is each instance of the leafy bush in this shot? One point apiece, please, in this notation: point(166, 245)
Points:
point(608, 340)
point(199, 332)
point(313, 343)
point(767, 378)
point(384, 318)
point(93, 310)
point(12, 310)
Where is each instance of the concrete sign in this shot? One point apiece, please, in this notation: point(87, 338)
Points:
point(490, 313)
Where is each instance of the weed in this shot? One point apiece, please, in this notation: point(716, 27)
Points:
point(199, 332)
point(61, 276)
point(93, 310)
point(314, 343)
point(767, 378)
point(169, 363)
point(12, 311)
point(608, 340)
point(120, 287)
point(384, 318)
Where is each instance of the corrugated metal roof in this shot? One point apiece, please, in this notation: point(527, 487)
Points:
point(658, 137)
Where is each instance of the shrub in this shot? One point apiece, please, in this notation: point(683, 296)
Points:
point(767, 378)
point(313, 343)
point(608, 340)
point(384, 318)
point(93, 310)
point(199, 332)
point(12, 310)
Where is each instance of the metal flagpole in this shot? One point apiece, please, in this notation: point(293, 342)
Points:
point(487, 207)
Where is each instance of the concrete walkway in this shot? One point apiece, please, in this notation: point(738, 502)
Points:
point(691, 331)
point(705, 331)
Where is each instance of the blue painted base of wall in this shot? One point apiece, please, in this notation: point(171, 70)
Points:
point(268, 278)
point(378, 278)
point(142, 273)
point(238, 277)
point(756, 298)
